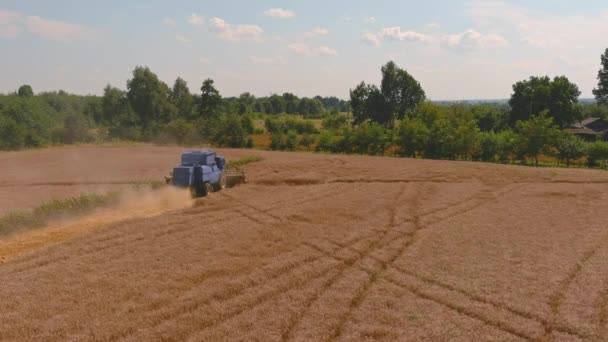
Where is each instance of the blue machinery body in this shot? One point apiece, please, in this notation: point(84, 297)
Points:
point(200, 171)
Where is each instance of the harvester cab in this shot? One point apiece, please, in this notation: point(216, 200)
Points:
point(203, 172)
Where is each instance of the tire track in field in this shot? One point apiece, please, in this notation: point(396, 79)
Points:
point(385, 265)
point(339, 269)
point(451, 306)
point(235, 290)
point(417, 219)
point(287, 334)
point(488, 301)
point(460, 309)
point(359, 297)
point(558, 296)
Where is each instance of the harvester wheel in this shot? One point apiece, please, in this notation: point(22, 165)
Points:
point(208, 189)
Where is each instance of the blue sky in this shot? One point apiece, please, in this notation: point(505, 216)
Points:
point(457, 49)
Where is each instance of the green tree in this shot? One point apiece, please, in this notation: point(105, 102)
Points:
point(401, 91)
point(559, 97)
point(506, 145)
point(597, 152)
point(358, 102)
point(210, 101)
point(537, 136)
point(181, 98)
point(148, 96)
point(601, 92)
point(230, 132)
point(248, 124)
point(12, 135)
point(246, 103)
point(570, 147)
point(25, 91)
point(413, 137)
point(488, 150)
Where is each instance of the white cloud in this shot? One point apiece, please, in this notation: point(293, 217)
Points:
point(395, 34)
point(370, 38)
point(182, 39)
point(56, 30)
point(13, 23)
point(306, 50)
point(196, 20)
point(278, 60)
point(280, 13)
point(204, 60)
point(433, 26)
point(369, 20)
point(169, 21)
point(317, 31)
point(231, 32)
point(471, 40)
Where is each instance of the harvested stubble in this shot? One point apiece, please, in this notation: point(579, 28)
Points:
point(320, 247)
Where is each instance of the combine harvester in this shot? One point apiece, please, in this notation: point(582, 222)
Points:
point(203, 172)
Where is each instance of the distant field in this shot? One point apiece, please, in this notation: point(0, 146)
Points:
point(315, 247)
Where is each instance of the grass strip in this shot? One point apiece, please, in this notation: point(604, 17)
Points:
point(23, 220)
point(243, 161)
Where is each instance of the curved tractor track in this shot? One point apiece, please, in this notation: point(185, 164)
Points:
point(315, 247)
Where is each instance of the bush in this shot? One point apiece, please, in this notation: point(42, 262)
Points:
point(291, 142)
point(248, 124)
point(307, 141)
point(277, 141)
point(412, 137)
point(180, 131)
point(597, 154)
point(335, 122)
point(570, 147)
point(284, 124)
point(230, 132)
point(326, 141)
point(12, 135)
point(371, 138)
point(75, 129)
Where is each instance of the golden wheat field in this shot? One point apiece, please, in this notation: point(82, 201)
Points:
point(315, 247)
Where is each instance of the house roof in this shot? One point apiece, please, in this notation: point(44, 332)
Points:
point(588, 121)
point(582, 131)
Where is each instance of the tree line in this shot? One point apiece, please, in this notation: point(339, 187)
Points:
point(394, 118)
point(147, 110)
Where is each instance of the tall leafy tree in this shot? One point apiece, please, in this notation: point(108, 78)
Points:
point(402, 92)
point(601, 92)
point(358, 100)
point(559, 97)
point(148, 96)
point(246, 103)
point(181, 98)
point(399, 94)
point(210, 101)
